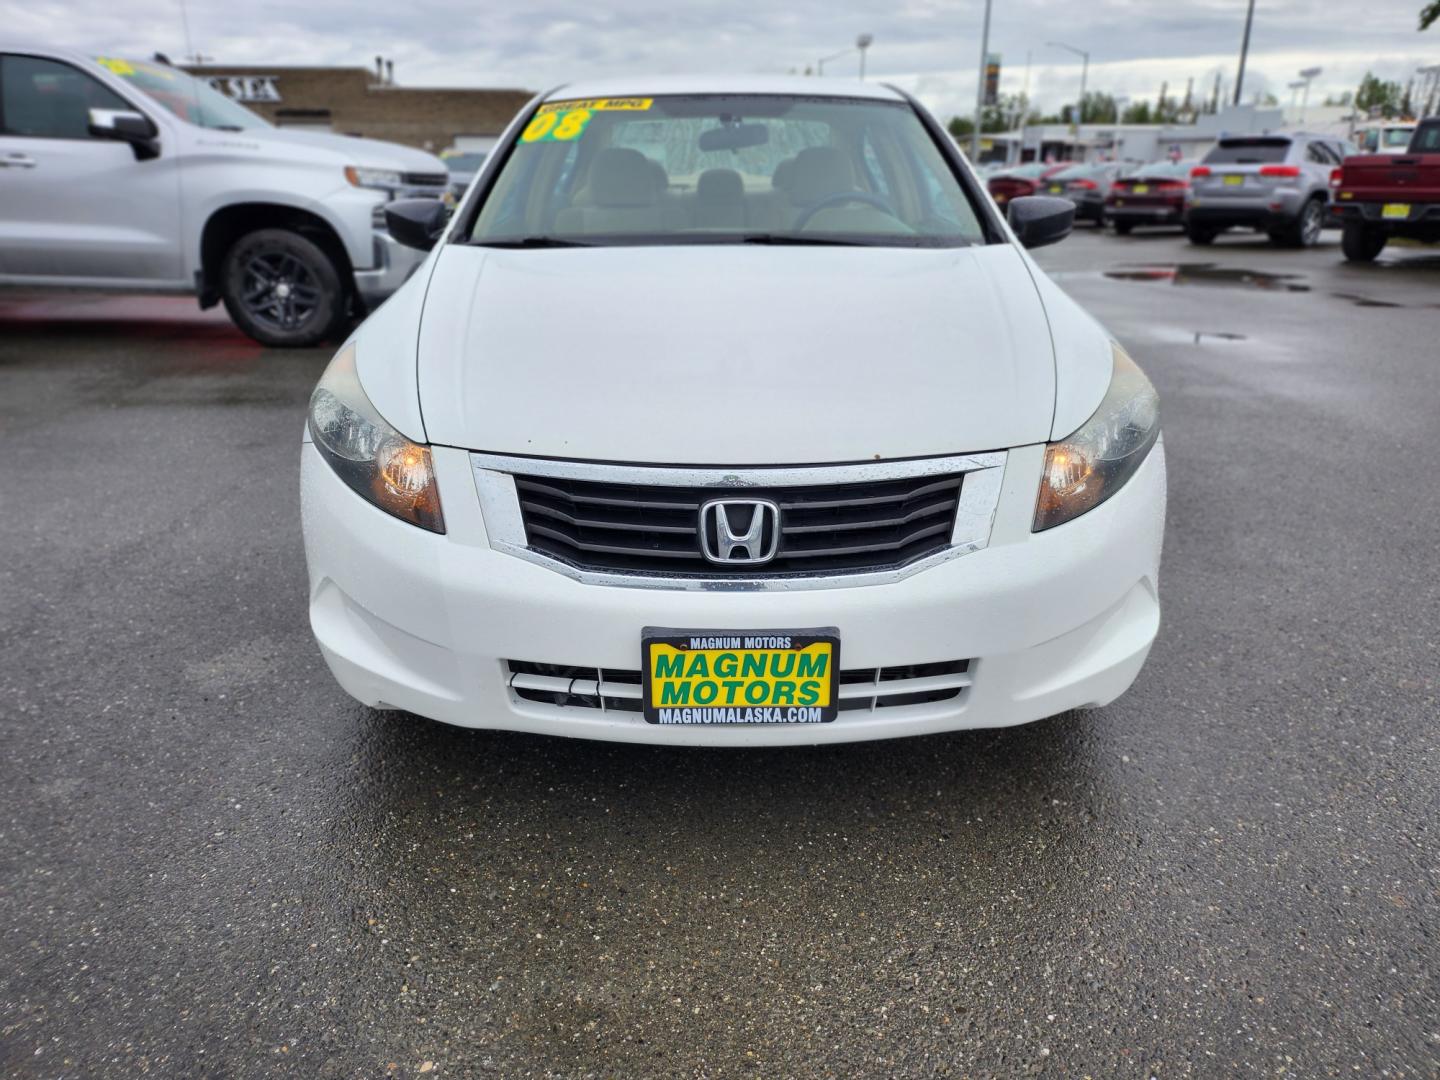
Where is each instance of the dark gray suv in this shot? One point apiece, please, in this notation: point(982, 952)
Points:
point(1276, 184)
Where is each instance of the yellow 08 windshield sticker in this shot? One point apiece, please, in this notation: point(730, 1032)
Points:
point(562, 121)
point(119, 67)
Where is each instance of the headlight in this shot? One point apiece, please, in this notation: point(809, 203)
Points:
point(1084, 470)
point(376, 461)
point(382, 179)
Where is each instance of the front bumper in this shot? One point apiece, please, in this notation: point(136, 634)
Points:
point(426, 623)
point(393, 265)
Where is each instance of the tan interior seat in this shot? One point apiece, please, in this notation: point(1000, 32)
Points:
point(623, 196)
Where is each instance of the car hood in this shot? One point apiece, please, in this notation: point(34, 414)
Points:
point(740, 355)
point(367, 153)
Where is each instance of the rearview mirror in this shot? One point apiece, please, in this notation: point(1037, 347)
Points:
point(124, 125)
point(1038, 220)
point(734, 137)
point(416, 223)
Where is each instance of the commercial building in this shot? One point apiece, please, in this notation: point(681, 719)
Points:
point(365, 101)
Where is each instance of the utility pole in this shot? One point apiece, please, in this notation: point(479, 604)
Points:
point(1084, 76)
point(1244, 51)
point(980, 87)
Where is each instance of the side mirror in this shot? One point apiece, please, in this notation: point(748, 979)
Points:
point(1038, 220)
point(416, 223)
point(123, 125)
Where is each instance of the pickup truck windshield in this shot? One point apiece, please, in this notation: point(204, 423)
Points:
point(189, 98)
point(741, 169)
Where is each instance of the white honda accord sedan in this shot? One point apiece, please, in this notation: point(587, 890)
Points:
point(732, 412)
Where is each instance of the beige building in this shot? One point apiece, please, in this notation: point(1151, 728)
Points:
point(364, 101)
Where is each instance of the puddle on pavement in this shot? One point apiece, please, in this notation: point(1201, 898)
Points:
point(1208, 274)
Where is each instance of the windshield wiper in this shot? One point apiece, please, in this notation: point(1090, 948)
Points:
point(531, 242)
point(796, 240)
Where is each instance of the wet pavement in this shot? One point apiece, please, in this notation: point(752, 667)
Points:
point(212, 863)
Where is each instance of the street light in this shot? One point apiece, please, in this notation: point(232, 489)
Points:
point(1084, 74)
point(863, 42)
point(1432, 72)
point(1307, 75)
point(1295, 92)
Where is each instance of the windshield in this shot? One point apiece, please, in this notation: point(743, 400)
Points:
point(1159, 170)
point(726, 169)
point(187, 97)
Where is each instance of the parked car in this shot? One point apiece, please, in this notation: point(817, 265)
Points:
point(1019, 181)
point(1380, 196)
point(1276, 184)
point(1086, 186)
point(131, 175)
point(1154, 194)
point(701, 458)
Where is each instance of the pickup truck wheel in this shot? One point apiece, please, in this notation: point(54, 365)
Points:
point(281, 289)
point(1122, 228)
point(1360, 243)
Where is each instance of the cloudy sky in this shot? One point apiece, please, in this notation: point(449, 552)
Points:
point(931, 46)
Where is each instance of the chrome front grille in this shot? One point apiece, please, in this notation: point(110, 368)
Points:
point(569, 686)
point(640, 526)
point(824, 528)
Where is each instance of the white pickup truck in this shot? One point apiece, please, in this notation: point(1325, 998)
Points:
point(128, 175)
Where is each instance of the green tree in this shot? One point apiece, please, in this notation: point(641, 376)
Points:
point(1378, 95)
point(1009, 112)
point(1430, 14)
point(1139, 113)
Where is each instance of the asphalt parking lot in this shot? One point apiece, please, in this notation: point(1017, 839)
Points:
point(213, 863)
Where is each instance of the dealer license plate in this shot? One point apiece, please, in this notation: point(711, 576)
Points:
point(1141, 189)
point(740, 676)
point(1399, 210)
point(1234, 181)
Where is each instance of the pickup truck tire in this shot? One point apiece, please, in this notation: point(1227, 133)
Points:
point(1305, 230)
point(281, 289)
point(1200, 234)
point(1360, 243)
point(1122, 228)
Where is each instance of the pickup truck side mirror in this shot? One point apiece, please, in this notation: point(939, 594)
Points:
point(123, 125)
point(1038, 220)
point(416, 223)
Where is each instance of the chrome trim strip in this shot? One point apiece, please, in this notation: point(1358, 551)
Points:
point(974, 516)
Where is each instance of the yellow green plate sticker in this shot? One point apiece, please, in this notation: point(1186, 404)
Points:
point(740, 677)
point(562, 121)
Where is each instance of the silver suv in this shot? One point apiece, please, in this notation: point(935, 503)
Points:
point(1276, 184)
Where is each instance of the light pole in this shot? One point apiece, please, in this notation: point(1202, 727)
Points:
point(1295, 92)
point(863, 42)
point(1244, 51)
point(1308, 74)
point(1084, 74)
point(1432, 72)
point(980, 88)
